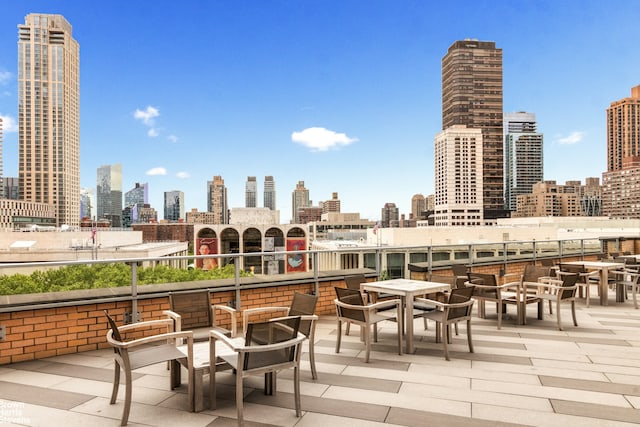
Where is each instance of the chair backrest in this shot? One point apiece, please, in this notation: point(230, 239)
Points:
point(353, 281)
point(194, 307)
point(614, 254)
point(352, 297)
point(626, 253)
point(271, 332)
point(569, 280)
point(533, 272)
point(114, 331)
point(303, 305)
point(546, 262)
point(459, 270)
point(460, 295)
point(441, 278)
point(487, 280)
point(576, 269)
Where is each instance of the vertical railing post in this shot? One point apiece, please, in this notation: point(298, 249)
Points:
point(236, 265)
point(134, 292)
point(316, 257)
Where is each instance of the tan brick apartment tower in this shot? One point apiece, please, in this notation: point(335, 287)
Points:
point(49, 115)
point(472, 96)
point(621, 181)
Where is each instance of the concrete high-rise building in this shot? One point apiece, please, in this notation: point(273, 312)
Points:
point(332, 205)
point(523, 156)
point(458, 177)
point(621, 197)
point(173, 205)
point(623, 130)
point(389, 213)
point(299, 199)
point(472, 96)
point(418, 206)
point(269, 193)
point(49, 115)
point(109, 194)
point(550, 199)
point(217, 200)
point(251, 193)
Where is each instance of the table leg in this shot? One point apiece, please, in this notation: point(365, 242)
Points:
point(408, 302)
point(604, 287)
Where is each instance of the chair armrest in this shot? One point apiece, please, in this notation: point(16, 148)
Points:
point(384, 304)
point(148, 340)
point(232, 314)
point(177, 319)
point(443, 305)
point(232, 343)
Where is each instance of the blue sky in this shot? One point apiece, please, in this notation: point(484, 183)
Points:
point(343, 95)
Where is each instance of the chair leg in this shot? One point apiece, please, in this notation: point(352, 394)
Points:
point(347, 328)
point(558, 314)
point(239, 399)
point(312, 359)
point(338, 336)
point(499, 315)
point(116, 383)
point(573, 313)
point(587, 294)
point(634, 290)
point(438, 330)
point(367, 343)
point(469, 340)
point(127, 398)
point(296, 389)
point(445, 338)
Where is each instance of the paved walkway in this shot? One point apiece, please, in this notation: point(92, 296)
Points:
point(521, 375)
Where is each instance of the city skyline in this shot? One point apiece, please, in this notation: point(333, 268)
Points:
point(343, 96)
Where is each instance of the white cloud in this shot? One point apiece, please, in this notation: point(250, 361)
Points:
point(5, 76)
point(573, 138)
point(147, 115)
point(172, 138)
point(321, 139)
point(183, 175)
point(157, 171)
point(152, 133)
point(9, 124)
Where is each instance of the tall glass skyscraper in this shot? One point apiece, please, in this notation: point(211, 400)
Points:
point(173, 205)
point(523, 156)
point(109, 194)
point(269, 193)
point(49, 115)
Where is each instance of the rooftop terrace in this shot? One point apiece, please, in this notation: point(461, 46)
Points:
point(521, 375)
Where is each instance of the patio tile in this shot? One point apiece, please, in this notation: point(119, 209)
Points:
point(324, 405)
point(600, 386)
point(312, 419)
point(408, 417)
point(551, 392)
point(606, 412)
point(41, 396)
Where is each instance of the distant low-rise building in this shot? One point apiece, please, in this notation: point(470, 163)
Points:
point(551, 199)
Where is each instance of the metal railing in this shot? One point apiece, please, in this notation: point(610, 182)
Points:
point(383, 260)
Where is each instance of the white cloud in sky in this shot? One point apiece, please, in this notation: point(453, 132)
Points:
point(147, 115)
point(9, 124)
point(152, 133)
point(321, 139)
point(5, 76)
point(172, 138)
point(157, 171)
point(183, 175)
point(572, 138)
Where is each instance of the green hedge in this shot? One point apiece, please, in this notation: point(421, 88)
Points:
point(104, 276)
